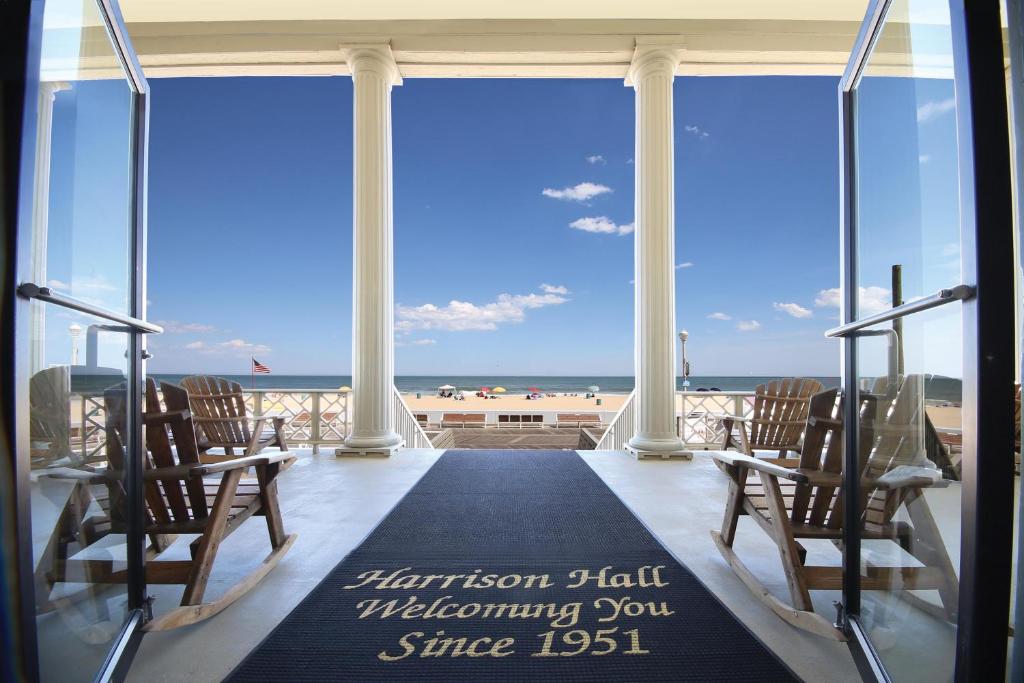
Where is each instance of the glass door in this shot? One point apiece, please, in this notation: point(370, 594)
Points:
point(80, 326)
point(928, 343)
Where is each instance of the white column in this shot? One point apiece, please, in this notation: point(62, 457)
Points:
point(374, 72)
point(651, 74)
point(40, 216)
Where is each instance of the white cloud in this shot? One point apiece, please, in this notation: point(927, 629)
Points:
point(58, 284)
point(595, 159)
point(685, 264)
point(629, 161)
point(460, 316)
point(697, 132)
point(577, 193)
point(870, 300)
point(417, 342)
point(554, 289)
point(175, 327)
point(933, 108)
point(718, 315)
point(602, 225)
point(924, 158)
point(748, 325)
point(238, 347)
point(795, 310)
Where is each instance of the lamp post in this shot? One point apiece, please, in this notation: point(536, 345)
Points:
point(75, 330)
point(683, 336)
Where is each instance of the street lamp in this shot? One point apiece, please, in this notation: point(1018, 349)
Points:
point(75, 330)
point(683, 335)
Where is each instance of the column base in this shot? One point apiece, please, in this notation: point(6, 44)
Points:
point(658, 449)
point(381, 447)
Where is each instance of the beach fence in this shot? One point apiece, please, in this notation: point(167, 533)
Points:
point(699, 413)
point(698, 418)
point(313, 418)
point(316, 418)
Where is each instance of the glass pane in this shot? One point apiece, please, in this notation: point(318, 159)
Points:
point(908, 232)
point(906, 184)
point(910, 435)
point(76, 415)
point(82, 189)
point(80, 246)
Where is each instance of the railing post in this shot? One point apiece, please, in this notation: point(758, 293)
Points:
point(314, 422)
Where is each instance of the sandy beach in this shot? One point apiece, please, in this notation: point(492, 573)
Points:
point(516, 403)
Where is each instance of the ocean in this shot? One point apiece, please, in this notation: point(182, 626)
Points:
point(937, 388)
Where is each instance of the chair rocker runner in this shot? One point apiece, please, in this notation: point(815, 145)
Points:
point(801, 499)
point(218, 409)
point(780, 410)
point(179, 500)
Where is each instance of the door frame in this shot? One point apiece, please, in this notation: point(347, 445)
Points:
point(987, 298)
point(20, 131)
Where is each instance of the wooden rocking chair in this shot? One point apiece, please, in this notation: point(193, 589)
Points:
point(178, 501)
point(218, 408)
point(796, 499)
point(780, 411)
point(49, 397)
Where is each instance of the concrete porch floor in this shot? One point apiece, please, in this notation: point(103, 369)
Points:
point(333, 503)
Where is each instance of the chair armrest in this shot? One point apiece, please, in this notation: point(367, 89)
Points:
point(174, 472)
point(247, 461)
point(250, 418)
point(739, 460)
point(71, 474)
point(164, 418)
point(729, 416)
point(908, 476)
point(814, 421)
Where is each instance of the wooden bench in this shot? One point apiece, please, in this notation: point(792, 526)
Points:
point(463, 420)
point(520, 421)
point(577, 420)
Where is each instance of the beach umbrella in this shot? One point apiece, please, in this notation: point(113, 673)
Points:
point(593, 388)
point(446, 387)
point(534, 390)
point(498, 390)
point(485, 389)
point(345, 389)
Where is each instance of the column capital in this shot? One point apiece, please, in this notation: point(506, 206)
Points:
point(372, 57)
point(653, 57)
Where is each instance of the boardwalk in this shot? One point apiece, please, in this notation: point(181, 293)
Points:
point(545, 438)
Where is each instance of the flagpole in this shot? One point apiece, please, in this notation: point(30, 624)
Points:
point(252, 371)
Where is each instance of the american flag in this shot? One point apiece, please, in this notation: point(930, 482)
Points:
point(259, 368)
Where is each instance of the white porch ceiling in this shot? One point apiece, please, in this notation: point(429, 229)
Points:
point(507, 39)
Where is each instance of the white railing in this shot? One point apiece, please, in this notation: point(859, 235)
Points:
point(407, 425)
point(313, 417)
point(697, 415)
point(698, 420)
point(621, 428)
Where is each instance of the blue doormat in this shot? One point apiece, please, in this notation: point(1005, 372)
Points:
point(511, 566)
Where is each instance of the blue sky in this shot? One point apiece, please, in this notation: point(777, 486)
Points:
point(513, 205)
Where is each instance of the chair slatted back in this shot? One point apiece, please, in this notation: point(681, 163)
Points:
point(822, 451)
point(168, 501)
point(891, 435)
point(49, 397)
point(115, 428)
point(184, 438)
point(900, 439)
point(780, 412)
point(214, 401)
